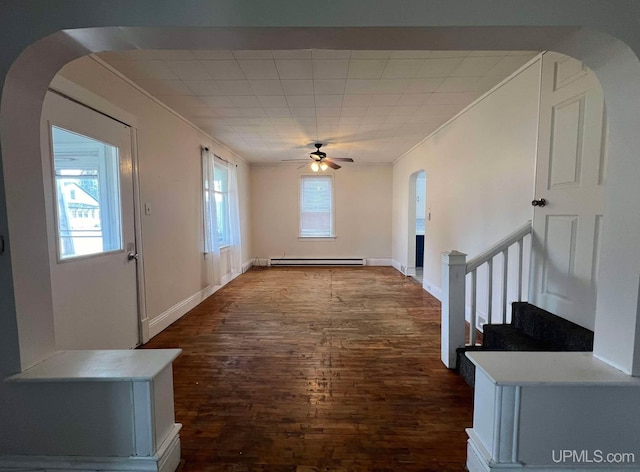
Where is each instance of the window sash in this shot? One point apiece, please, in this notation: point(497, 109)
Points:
point(88, 218)
point(220, 196)
point(316, 206)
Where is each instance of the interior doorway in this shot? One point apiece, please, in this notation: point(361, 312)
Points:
point(417, 219)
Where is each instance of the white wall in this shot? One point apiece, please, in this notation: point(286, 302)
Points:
point(170, 183)
point(480, 174)
point(362, 213)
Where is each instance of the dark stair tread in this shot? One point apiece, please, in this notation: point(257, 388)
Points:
point(464, 366)
point(509, 338)
point(461, 350)
point(532, 329)
point(559, 333)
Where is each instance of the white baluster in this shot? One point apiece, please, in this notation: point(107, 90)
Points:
point(490, 294)
point(472, 316)
point(505, 274)
point(520, 252)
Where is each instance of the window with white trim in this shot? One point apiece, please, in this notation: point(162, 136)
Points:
point(316, 206)
point(215, 203)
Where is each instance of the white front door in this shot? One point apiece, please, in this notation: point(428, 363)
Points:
point(570, 174)
point(90, 213)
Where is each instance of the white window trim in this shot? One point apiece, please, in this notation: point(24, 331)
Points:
point(333, 236)
point(317, 238)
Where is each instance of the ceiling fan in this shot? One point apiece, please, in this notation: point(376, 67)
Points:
point(320, 161)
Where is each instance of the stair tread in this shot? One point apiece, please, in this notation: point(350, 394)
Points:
point(559, 333)
point(532, 329)
point(510, 338)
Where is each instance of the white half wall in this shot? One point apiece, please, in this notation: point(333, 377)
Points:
point(480, 173)
point(362, 213)
point(168, 147)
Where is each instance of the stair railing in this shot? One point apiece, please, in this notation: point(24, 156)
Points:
point(455, 269)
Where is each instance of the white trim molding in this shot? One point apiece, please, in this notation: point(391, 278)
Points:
point(404, 270)
point(247, 265)
point(226, 279)
point(432, 288)
point(379, 262)
point(177, 311)
point(166, 459)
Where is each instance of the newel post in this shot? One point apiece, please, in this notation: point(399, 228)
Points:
point(454, 271)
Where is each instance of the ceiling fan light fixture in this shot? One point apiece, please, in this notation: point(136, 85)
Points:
point(323, 166)
point(315, 167)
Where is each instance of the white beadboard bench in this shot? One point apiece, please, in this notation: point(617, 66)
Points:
point(552, 411)
point(93, 411)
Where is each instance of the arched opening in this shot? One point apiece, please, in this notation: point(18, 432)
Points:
point(27, 314)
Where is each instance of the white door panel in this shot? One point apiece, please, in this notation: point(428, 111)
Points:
point(90, 215)
point(570, 172)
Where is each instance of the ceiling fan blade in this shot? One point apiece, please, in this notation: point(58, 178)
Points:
point(294, 160)
point(341, 159)
point(333, 165)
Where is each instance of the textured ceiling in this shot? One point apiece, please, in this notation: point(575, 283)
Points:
point(372, 106)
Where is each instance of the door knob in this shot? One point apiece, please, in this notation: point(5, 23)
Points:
point(133, 255)
point(539, 203)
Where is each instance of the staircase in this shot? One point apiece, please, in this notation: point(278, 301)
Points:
point(495, 268)
point(488, 290)
point(531, 329)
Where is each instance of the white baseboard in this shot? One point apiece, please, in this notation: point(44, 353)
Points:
point(177, 311)
point(169, 452)
point(247, 265)
point(479, 460)
point(432, 288)
point(404, 270)
point(258, 262)
point(166, 459)
point(379, 262)
point(226, 278)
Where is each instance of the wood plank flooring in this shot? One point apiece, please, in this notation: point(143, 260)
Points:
point(317, 369)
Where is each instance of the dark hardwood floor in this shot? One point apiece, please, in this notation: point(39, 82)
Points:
point(327, 369)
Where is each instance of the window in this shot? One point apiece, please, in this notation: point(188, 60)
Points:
point(86, 176)
point(216, 203)
point(316, 206)
point(221, 195)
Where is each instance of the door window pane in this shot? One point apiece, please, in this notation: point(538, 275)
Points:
point(87, 193)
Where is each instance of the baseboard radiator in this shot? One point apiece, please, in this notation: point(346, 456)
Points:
point(314, 262)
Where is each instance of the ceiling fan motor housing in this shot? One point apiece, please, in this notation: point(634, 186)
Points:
point(318, 155)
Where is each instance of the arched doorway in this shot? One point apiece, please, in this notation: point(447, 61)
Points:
point(37, 48)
